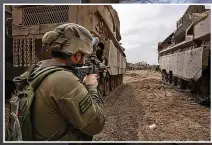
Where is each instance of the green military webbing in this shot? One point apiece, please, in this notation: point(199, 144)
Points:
point(25, 99)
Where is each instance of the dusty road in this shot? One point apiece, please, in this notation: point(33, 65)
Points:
point(143, 101)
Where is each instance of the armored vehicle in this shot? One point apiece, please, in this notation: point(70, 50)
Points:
point(184, 56)
point(30, 23)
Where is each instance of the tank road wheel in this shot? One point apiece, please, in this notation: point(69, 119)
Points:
point(178, 82)
point(204, 90)
point(112, 83)
point(107, 85)
point(100, 86)
point(100, 89)
point(115, 81)
point(194, 86)
point(170, 78)
point(163, 75)
point(167, 77)
point(189, 86)
point(175, 81)
point(118, 80)
point(121, 79)
point(181, 83)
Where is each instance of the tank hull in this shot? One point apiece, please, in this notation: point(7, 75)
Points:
point(29, 26)
point(186, 64)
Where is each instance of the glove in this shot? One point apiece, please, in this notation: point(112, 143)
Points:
point(91, 79)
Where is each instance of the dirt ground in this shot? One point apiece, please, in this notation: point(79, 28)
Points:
point(143, 101)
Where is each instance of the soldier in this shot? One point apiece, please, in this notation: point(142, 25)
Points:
point(64, 108)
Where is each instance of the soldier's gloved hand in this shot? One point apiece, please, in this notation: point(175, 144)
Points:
point(91, 79)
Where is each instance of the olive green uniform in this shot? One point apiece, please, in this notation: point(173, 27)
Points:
point(62, 104)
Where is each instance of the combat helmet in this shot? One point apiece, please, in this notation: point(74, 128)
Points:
point(67, 39)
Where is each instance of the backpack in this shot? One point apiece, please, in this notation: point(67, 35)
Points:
point(20, 124)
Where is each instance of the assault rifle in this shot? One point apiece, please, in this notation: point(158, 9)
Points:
point(92, 65)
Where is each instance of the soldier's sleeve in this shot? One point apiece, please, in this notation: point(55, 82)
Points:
point(82, 107)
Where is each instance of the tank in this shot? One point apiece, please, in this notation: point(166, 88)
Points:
point(30, 23)
point(184, 56)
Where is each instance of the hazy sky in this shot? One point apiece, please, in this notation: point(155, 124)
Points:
point(143, 26)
